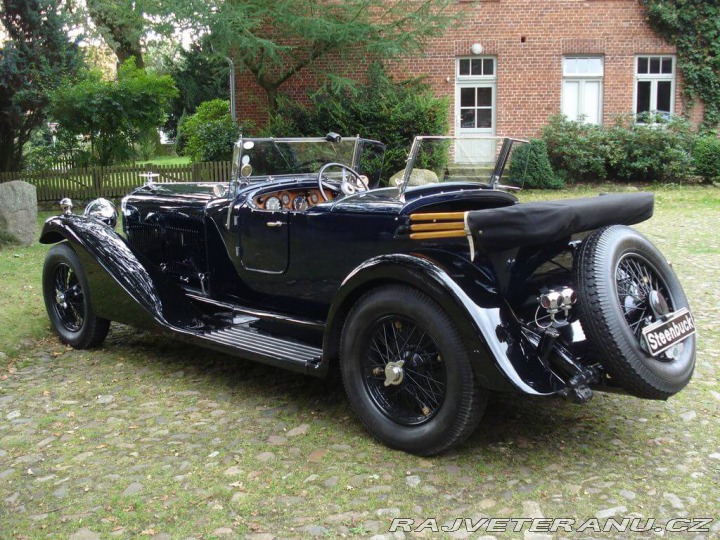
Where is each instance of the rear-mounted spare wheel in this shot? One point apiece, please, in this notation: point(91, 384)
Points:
point(626, 288)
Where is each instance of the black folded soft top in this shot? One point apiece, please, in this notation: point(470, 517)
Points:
point(536, 223)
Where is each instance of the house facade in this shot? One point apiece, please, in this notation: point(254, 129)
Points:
point(508, 65)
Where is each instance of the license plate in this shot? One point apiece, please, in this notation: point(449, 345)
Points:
point(662, 335)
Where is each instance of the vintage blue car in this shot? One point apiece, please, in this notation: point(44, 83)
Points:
point(428, 290)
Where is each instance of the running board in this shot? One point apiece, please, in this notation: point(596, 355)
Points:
point(249, 343)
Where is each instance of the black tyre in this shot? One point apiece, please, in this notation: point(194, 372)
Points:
point(67, 300)
point(407, 373)
point(620, 274)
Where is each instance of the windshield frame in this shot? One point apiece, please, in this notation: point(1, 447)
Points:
point(239, 147)
point(499, 166)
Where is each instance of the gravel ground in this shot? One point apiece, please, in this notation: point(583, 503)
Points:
point(146, 437)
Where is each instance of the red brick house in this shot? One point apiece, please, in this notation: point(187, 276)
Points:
point(508, 65)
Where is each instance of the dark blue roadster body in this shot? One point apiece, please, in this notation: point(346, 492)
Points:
point(427, 296)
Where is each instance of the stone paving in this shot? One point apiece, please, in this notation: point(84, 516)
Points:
point(148, 438)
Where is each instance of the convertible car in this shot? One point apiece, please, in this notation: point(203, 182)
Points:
point(429, 290)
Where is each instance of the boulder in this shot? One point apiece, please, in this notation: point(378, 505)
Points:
point(418, 177)
point(18, 211)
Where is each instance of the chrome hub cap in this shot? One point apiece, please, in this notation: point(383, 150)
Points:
point(394, 372)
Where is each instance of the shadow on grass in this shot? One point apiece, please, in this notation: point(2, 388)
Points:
point(510, 419)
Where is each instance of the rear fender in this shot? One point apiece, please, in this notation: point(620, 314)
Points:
point(122, 288)
point(468, 296)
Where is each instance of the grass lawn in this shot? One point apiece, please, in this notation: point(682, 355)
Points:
point(167, 160)
point(146, 437)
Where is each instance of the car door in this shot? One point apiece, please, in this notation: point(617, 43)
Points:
point(264, 240)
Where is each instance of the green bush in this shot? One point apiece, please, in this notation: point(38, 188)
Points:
point(392, 112)
point(647, 149)
point(530, 167)
point(577, 151)
point(657, 150)
point(209, 134)
point(112, 114)
point(707, 157)
point(147, 145)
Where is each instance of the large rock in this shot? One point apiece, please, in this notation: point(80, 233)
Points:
point(18, 211)
point(418, 177)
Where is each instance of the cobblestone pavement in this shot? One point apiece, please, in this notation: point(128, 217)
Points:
point(149, 438)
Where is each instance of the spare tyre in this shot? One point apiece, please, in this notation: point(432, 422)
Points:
point(624, 285)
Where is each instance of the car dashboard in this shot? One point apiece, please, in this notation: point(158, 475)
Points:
point(297, 200)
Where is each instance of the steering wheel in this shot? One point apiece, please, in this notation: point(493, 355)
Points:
point(350, 185)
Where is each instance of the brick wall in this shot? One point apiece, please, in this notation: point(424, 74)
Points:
point(529, 39)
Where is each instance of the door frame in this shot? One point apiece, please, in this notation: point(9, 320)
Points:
point(475, 81)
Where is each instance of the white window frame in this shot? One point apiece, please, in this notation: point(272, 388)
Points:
point(478, 78)
point(582, 78)
point(654, 79)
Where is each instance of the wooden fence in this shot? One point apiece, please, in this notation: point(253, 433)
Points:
point(92, 182)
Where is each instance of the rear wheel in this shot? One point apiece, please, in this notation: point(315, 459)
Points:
point(406, 372)
point(67, 300)
point(624, 285)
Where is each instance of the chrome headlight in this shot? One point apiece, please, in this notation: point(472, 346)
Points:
point(103, 211)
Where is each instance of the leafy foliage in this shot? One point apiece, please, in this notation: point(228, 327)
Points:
point(382, 109)
point(530, 167)
point(577, 151)
point(630, 151)
point(33, 60)
point(692, 26)
point(113, 114)
point(209, 134)
point(122, 26)
point(199, 76)
point(707, 157)
point(651, 151)
point(129, 26)
point(276, 39)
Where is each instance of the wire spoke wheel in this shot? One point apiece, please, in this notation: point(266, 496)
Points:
point(636, 280)
point(624, 285)
point(407, 372)
point(69, 299)
point(414, 391)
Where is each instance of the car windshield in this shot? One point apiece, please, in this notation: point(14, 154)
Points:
point(488, 161)
point(257, 159)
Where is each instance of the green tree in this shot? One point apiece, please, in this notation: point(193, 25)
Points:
point(199, 76)
point(210, 133)
point(33, 60)
point(693, 26)
point(277, 39)
point(382, 109)
point(122, 26)
point(113, 114)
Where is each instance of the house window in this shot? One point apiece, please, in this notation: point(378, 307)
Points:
point(476, 67)
point(582, 91)
point(655, 84)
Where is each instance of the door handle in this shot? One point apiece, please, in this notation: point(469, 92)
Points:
point(275, 224)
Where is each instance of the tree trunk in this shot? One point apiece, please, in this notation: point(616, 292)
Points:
point(8, 153)
point(127, 52)
point(272, 99)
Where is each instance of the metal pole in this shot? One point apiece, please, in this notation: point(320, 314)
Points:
point(232, 88)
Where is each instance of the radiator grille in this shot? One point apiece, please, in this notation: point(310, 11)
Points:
point(179, 247)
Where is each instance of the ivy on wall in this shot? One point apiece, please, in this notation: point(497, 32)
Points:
point(693, 26)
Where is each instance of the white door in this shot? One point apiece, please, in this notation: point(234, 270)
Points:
point(475, 111)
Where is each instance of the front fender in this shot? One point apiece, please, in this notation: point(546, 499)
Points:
point(476, 308)
point(122, 288)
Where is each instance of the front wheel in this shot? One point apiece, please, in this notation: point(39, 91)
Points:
point(67, 300)
point(406, 372)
